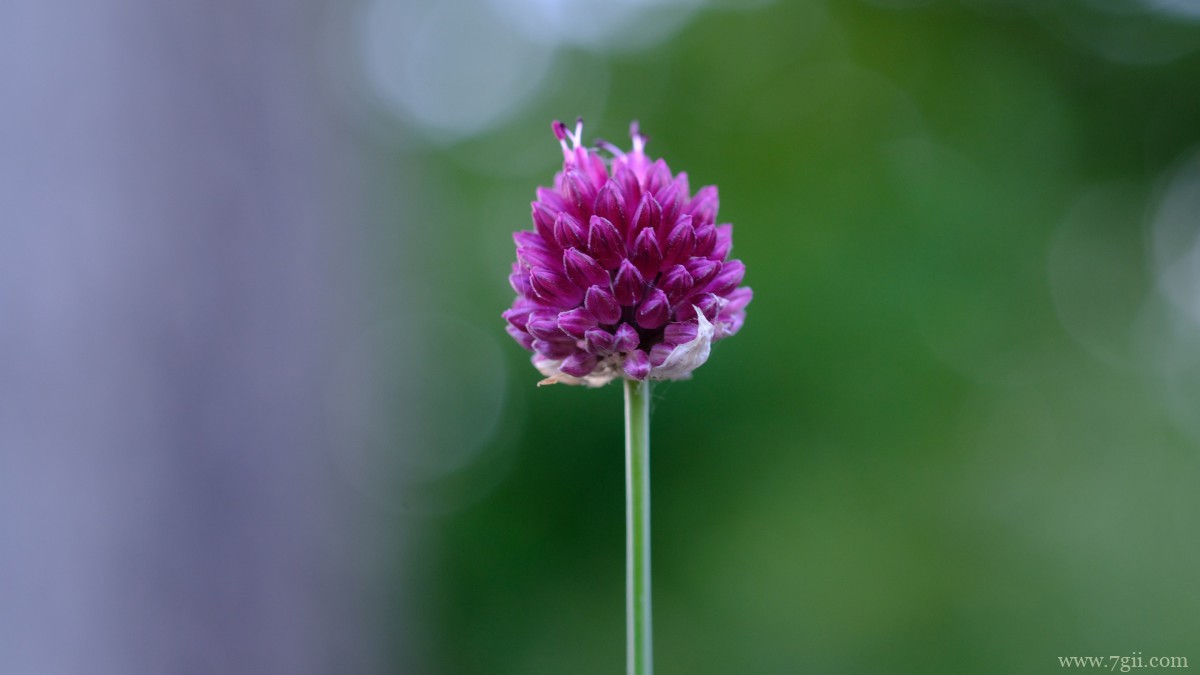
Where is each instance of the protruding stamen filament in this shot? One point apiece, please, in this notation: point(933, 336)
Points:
point(639, 141)
point(577, 139)
point(563, 135)
point(609, 147)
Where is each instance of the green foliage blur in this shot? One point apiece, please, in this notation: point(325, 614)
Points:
point(941, 443)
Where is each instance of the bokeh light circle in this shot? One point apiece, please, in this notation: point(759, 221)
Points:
point(449, 68)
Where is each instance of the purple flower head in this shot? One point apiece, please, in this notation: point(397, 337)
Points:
point(625, 272)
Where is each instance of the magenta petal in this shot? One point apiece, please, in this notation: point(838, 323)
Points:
point(519, 280)
point(543, 222)
point(518, 317)
point(703, 206)
point(554, 288)
point(681, 241)
point(729, 278)
point(610, 204)
point(604, 243)
point(576, 322)
point(685, 189)
point(724, 242)
point(669, 200)
point(710, 306)
point(524, 339)
point(579, 364)
point(637, 365)
point(602, 304)
point(579, 191)
point(658, 176)
point(628, 285)
point(654, 311)
point(569, 232)
point(681, 332)
point(647, 256)
point(624, 177)
point(536, 256)
point(592, 166)
point(555, 349)
point(527, 238)
point(552, 200)
point(659, 353)
point(544, 327)
point(739, 298)
point(706, 237)
point(582, 269)
point(676, 282)
point(702, 270)
point(599, 341)
point(625, 338)
point(648, 216)
point(729, 325)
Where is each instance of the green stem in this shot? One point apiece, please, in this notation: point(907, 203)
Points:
point(639, 639)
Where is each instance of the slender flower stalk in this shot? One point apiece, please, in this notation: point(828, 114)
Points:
point(638, 634)
point(625, 274)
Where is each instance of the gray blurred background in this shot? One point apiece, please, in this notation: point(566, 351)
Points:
point(258, 413)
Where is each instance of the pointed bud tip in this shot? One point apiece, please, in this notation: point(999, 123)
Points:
point(598, 341)
point(604, 243)
point(628, 284)
point(625, 339)
point(579, 364)
point(654, 311)
point(637, 365)
point(600, 302)
point(576, 322)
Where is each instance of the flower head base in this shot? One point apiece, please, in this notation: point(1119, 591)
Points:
point(625, 273)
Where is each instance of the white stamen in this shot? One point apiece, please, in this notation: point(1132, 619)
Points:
point(612, 149)
point(577, 137)
point(639, 141)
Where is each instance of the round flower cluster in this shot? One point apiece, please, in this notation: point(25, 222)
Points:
point(625, 272)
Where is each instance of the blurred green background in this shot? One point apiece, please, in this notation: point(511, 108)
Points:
point(959, 432)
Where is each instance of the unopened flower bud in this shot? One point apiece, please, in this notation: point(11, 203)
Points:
point(628, 284)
